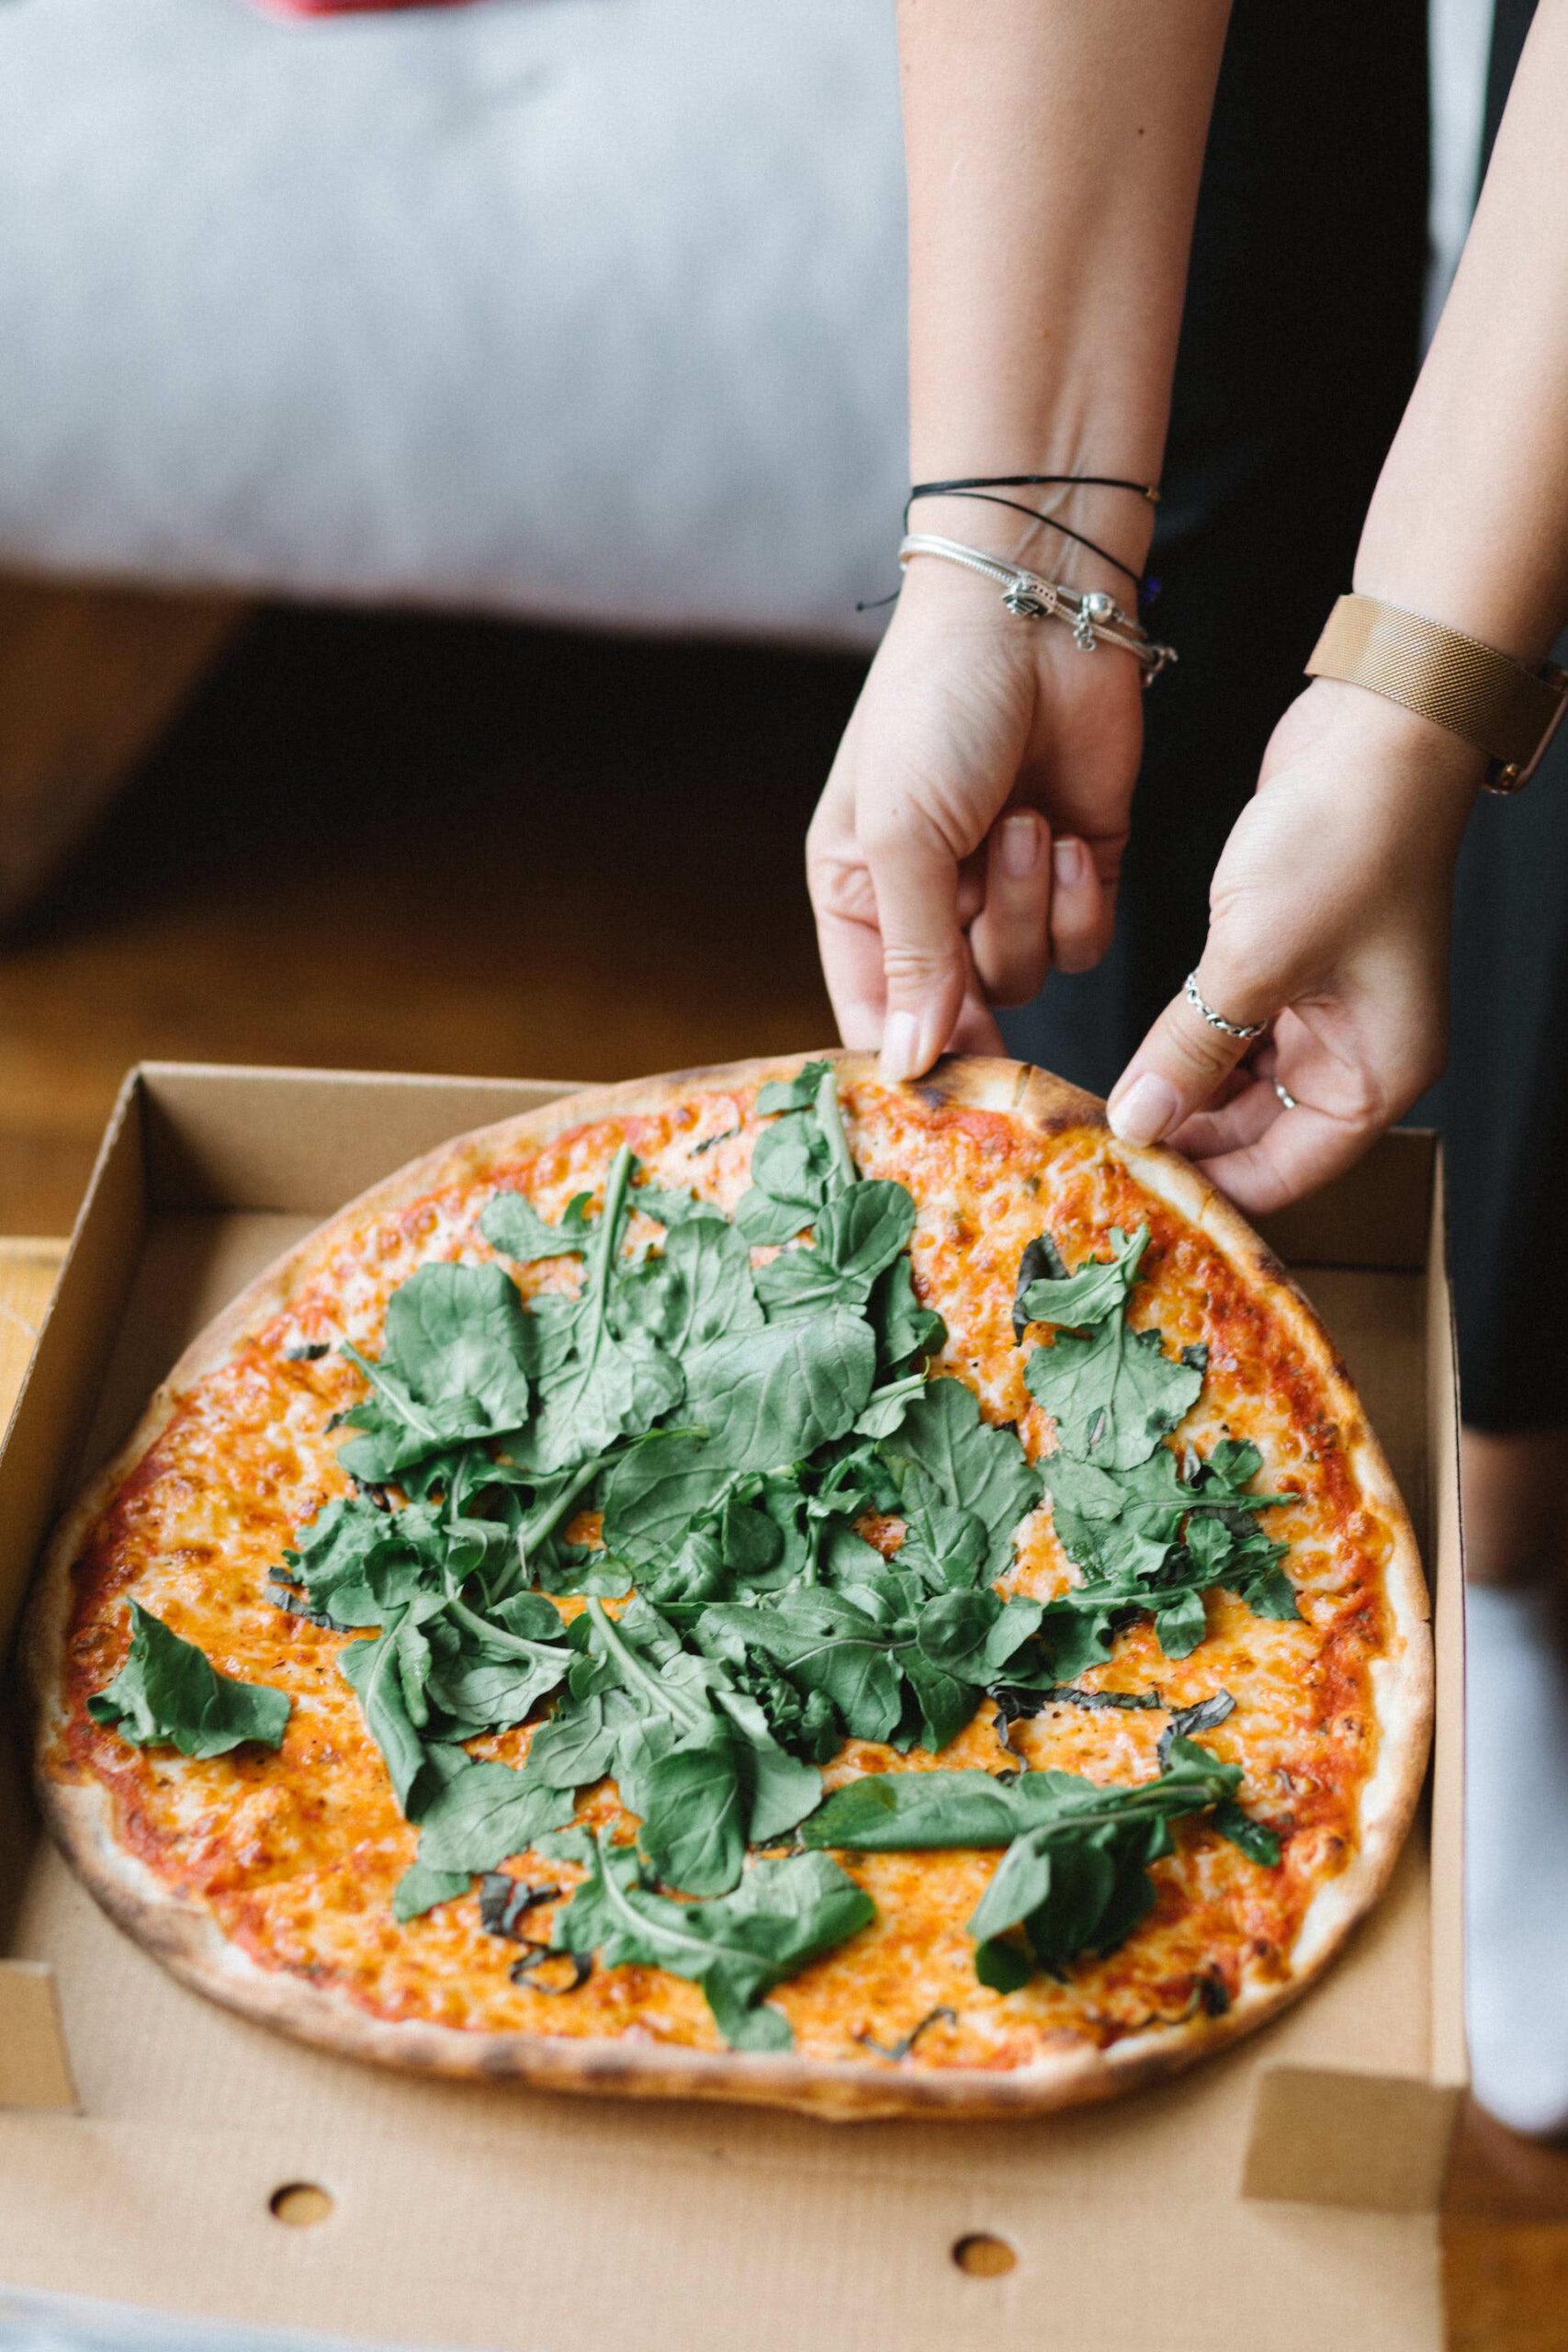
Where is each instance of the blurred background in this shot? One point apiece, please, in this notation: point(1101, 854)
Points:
point(440, 455)
point(584, 313)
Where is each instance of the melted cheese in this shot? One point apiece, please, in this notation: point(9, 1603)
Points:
point(297, 1853)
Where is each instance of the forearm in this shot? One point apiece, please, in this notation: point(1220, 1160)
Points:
point(1467, 524)
point(1054, 157)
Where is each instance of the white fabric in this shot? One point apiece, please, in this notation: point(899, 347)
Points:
point(1459, 40)
point(1516, 1859)
point(592, 309)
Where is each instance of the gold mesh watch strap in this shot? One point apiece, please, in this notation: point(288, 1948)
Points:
point(1484, 696)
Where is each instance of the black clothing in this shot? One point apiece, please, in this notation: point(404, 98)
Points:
point(1299, 346)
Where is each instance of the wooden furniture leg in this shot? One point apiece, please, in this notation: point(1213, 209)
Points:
point(89, 679)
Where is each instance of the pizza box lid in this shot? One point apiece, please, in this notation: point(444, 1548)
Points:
point(155, 2150)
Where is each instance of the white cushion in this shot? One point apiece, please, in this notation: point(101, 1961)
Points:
point(591, 309)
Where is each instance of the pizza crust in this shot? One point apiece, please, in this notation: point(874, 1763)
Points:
point(182, 1934)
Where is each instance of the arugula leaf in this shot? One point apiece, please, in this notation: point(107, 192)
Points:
point(797, 1093)
point(420, 1889)
point(1146, 1539)
point(768, 1398)
point(781, 1916)
point(1099, 1288)
point(693, 1828)
point(825, 1642)
point(1041, 1261)
point(792, 1169)
point(1112, 1392)
point(484, 1813)
point(606, 1388)
point(883, 1412)
point(385, 1674)
point(654, 1491)
point(696, 1290)
point(510, 1224)
point(905, 1330)
point(976, 1466)
point(902, 1811)
point(677, 1208)
point(973, 1634)
point(856, 1237)
point(453, 1368)
point(167, 1690)
point(1074, 1876)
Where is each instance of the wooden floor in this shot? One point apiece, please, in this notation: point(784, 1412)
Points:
point(406, 843)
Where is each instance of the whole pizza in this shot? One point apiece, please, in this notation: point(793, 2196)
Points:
point(758, 1585)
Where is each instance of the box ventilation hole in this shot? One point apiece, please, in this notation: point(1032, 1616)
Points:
point(302, 2204)
point(984, 2257)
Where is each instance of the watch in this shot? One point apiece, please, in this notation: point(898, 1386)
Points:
point(1487, 698)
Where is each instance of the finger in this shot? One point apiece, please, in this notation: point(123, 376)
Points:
point(1081, 908)
point(975, 1031)
point(1231, 1126)
point(851, 965)
point(1184, 1057)
point(1296, 1152)
point(915, 877)
point(1010, 938)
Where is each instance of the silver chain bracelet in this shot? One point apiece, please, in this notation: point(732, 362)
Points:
point(1094, 618)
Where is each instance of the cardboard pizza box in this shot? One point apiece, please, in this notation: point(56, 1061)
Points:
point(156, 2151)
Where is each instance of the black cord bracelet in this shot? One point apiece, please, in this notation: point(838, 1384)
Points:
point(981, 487)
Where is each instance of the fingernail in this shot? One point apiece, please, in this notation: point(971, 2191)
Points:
point(1145, 1111)
point(1068, 864)
point(1021, 844)
point(900, 1048)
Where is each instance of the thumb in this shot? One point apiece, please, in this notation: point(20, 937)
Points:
point(926, 969)
point(1190, 1049)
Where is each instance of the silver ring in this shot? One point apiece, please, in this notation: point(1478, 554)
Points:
point(1217, 1020)
point(1288, 1100)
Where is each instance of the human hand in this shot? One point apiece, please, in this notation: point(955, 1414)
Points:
point(972, 827)
point(1330, 916)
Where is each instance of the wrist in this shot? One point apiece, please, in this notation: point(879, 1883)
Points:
point(1400, 753)
point(1118, 521)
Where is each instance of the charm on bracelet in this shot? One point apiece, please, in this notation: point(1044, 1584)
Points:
point(1094, 618)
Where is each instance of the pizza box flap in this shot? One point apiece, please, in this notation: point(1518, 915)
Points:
point(1280, 2195)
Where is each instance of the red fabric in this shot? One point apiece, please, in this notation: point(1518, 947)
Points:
point(349, 7)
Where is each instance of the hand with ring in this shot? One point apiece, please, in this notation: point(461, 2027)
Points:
point(1322, 987)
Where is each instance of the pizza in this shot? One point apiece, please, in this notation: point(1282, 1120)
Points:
point(751, 1585)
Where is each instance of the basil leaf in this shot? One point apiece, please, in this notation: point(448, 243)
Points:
point(1259, 1843)
point(1099, 1288)
point(1113, 1393)
point(768, 1398)
point(511, 1225)
point(167, 1690)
